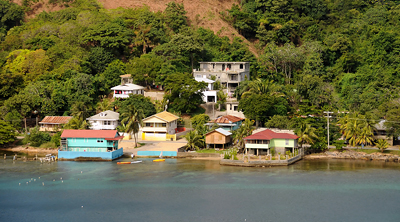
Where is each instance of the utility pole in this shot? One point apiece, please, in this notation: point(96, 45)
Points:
point(327, 116)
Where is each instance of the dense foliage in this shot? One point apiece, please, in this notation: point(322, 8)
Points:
point(312, 56)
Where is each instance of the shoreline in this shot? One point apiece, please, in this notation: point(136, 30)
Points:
point(348, 154)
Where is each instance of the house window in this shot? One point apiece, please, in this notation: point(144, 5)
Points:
point(223, 67)
point(235, 108)
point(241, 66)
point(229, 67)
point(198, 76)
point(287, 142)
point(163, 124)
point(148, 124)
point(99, 140)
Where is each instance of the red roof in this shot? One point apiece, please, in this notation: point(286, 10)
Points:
point(56, 119)
point(227, 119)
point(89, 134)
point(269, 134)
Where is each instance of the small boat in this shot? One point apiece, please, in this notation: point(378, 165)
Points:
point(123, 162)
point(159, 160)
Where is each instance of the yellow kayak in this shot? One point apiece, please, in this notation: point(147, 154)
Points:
point(159, 160)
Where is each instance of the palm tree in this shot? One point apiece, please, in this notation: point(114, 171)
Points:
point(382, 144)
point(104, 104)
point(263, 86)
point(366, 136)
point(306, 134)
point(133, 119)
point(80, 110)
point(76, 123)
point(357, 128)
point(194, 139)
point(246, 129)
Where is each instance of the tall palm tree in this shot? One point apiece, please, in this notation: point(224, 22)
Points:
point(104, 104)
point(194, 140)
point(366, 136)
point(133, 119)
point(306, 134)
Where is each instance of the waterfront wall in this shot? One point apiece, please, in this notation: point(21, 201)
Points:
point(90, 156)
point(198, 155)
point(260, 163)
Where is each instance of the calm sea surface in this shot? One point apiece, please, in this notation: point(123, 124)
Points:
point(199, 190)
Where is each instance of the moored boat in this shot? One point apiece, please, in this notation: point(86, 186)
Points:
point(159, 160)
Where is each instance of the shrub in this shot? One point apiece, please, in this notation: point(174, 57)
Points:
point(272, 151)
point(339, 144)
point(48, 145)
point(37, 138)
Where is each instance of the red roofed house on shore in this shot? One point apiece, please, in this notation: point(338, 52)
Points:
point(53, 123)
point(262, 142)
point(227, 122)
point(100, 145)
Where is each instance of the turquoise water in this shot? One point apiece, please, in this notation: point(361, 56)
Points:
point(199, 190)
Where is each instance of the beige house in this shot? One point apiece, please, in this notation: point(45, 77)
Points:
point(219, 138)
point(160, 127)
point(53, 123)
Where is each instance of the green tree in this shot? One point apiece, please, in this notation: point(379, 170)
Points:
point(132, 120)
point(76, 123)
point(306, 134)
point(194, 140)
point(199, 120)
point(104, 105)
point(382, 144)
point(280, 122)
point(175, 16)
point(7, 133)
point(183, 92)
point(138, 101)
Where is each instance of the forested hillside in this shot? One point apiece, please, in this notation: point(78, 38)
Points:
point(313, 55)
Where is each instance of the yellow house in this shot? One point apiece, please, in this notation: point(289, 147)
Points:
point(160, 127)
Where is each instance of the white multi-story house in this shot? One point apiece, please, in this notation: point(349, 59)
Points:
point(209, 95)
point(230, 74)
point(107, 120)
point(127, 87)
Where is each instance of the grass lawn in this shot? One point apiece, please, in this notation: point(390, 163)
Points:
point(210, 151)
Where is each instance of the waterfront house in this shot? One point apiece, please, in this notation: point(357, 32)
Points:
point(381, 133)
point(219, 137)
point(53, 123)
point(262, 142)
point(209, 95)
point(161, 126)
point(227, 122)
point(230, 74)
point(90, 145)
point(106, 120)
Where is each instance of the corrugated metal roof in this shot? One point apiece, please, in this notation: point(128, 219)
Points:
point(105, 115)
point(222, 131)
point(56, 119)
point(227, 119)
point(89, 134)
point(269, 134)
